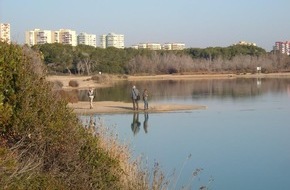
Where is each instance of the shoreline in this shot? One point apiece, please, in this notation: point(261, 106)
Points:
point(206, 76)
point(86, 82)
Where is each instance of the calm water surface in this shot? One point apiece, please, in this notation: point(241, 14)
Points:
point(241, 141)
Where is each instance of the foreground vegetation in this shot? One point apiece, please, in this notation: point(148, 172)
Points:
point(88, 60)
point(43, 145)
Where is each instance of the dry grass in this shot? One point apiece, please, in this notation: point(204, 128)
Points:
point(136, 175)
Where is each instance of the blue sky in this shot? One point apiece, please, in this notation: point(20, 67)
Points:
point(197, 23)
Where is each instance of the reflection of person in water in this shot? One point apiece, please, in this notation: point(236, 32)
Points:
point(135, 126)
point(92, 126)
point(145, 123)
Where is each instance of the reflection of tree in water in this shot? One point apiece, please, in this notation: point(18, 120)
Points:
point(219, 88)
point(199, 88)
point(135, 125)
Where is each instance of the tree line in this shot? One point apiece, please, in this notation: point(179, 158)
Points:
point(87, 60)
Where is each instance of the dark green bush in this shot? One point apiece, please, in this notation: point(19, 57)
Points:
point(42, 145)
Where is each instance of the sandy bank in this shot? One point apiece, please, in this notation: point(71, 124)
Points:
point(109, 107)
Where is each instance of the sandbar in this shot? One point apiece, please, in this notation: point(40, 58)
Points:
point(116, 107)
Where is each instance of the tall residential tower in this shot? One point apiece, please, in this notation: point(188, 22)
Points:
point(87, 39)
point(282, 47)
point(5, 32)
point(112, 40)
point(37, 36)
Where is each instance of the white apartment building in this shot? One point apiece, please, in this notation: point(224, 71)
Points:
point(112, 40)
point(157, 46)
point(30, 38)
point(151, 46)
point(154, 46)
point(173, 46)
point(44, 36)
point(68, 37)
point(283, 47)
point(246, 43)
point(38, 36)
point(87, 39)
point(5, 32)
point(103, 43)
point(142, 46)
point(167, 46)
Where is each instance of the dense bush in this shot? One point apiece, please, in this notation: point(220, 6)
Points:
point(42, 145)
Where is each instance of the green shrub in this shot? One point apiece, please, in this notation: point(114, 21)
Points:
point(42, 145)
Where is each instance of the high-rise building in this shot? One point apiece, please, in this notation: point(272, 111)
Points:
point(154, 46)
point(87, 39)
point(173, 46)
point(158, 46)
point(103, 43)
point(112, 40)
point(68, 37)
point(142, 46)
point(38, 36)
point(282, 47)
point(5, 32)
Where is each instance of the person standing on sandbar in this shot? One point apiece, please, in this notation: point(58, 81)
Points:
point(135, 96)
point(145, 99)
point(91, 96)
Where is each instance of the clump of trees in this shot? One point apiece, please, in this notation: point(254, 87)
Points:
point(87, 60)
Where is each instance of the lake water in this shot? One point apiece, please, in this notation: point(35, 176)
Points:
point(241, 141)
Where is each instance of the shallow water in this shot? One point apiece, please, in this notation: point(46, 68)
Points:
point(241, 141)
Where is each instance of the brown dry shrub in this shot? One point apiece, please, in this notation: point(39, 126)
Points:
point(69, 96)
point(103, 78)
point(73, 83)
point(57, 85)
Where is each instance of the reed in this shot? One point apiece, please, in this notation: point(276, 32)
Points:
point(136, 172)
